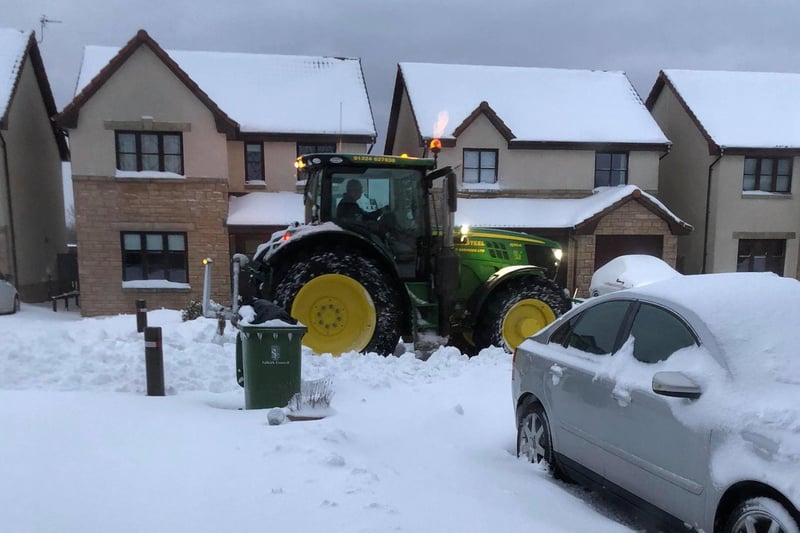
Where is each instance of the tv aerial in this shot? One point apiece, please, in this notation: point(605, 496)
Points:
point(44, 21)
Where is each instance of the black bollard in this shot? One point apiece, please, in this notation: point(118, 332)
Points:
point(154, 361)
point(141, 315)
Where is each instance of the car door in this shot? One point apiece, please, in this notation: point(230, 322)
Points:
point(577, 402)
point(651, 453)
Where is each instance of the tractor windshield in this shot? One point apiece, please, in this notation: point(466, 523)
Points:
point(385, 202)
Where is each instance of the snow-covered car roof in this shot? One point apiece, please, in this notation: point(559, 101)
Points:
point(629, 271)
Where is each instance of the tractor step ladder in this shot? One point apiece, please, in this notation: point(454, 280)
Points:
point(425, 309)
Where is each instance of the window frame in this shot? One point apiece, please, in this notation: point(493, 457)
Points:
point(138, 153)
point(165, 253)
point(480, 168)
point(773, 175)
point(751, 257)
point(261, 162)
point(611, 168)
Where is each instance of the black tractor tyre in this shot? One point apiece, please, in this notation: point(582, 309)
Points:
point(365, 270)
point(489, 330)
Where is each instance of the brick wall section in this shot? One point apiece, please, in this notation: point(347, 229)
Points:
point(107, 206)
point(632, 218)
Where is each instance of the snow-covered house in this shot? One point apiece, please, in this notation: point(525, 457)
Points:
point(544, 134)
point(168, 145)
point(32, 225)
point(733, 169)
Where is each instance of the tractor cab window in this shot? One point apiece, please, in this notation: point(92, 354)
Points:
point(384, 202)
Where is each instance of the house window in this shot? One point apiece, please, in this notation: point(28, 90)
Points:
point(154, 256)
point(306, 148)
point(767, 174)
point(761, 255)
point(480, 166)
point(610, 169)
point(254, 161)
point(325, 148)
point(154, 151)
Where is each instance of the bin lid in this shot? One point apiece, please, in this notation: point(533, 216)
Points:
point(275, 323)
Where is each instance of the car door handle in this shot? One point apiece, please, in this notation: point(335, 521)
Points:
point(556, 373)
point(623, 397)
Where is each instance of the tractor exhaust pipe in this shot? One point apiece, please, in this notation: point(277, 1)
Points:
point(447, 264)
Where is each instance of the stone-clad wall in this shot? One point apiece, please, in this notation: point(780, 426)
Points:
point(107, 206)
point(631, 218)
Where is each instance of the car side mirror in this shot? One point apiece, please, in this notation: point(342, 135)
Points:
point(676, 385)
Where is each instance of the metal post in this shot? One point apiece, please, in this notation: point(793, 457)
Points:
point(207, 262)
point(154, 361)
point(141, 315)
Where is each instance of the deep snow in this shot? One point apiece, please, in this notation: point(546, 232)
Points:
point(411, 445)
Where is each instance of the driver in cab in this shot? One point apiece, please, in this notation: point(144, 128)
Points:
point(348, 208)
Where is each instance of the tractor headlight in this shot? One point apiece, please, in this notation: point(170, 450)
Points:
point(557, 252)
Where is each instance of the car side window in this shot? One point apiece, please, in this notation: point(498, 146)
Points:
point(658, 333)
point(560, 335)
point(597, 328)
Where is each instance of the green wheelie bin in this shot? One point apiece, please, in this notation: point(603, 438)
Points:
point(268, 363)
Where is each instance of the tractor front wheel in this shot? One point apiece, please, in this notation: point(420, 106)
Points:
point(345, 300)
point(517, 310)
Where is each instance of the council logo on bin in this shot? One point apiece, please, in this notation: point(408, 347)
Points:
point(275, 352)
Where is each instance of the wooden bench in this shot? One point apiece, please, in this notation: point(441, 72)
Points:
point(65, 297)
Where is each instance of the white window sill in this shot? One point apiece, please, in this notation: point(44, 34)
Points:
point(764, 195)
point(155, 284)
point(480, 186)
point(256, 184)
point(148, 174)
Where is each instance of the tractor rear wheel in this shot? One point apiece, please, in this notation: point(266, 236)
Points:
point(346, 301)
point(517, 310)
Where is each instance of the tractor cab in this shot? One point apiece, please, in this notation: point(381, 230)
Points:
point(383, 198)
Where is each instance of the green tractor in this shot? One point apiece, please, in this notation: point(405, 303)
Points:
point(378, 259)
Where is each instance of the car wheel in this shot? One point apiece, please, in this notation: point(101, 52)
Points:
point(761, 514)
point(534, 441)
point(16, 304)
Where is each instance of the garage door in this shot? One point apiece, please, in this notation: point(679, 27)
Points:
point(607, 247)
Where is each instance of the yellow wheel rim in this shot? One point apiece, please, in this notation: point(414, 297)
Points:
point(338, 312)
point(524, 319)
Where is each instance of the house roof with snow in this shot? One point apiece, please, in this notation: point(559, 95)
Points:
point(15, 47)
point(579, 215)
point(737, 110)
point(251, 93)
point(539, 107)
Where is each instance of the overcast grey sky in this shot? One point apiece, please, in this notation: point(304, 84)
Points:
point(636, 36)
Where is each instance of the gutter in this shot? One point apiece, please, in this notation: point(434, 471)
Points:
point(7, 175)
point(708, 206)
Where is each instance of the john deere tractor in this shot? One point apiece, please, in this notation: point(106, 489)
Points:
point(377, 259)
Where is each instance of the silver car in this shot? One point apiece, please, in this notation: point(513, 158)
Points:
point(9, 299)
point(681, 397)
